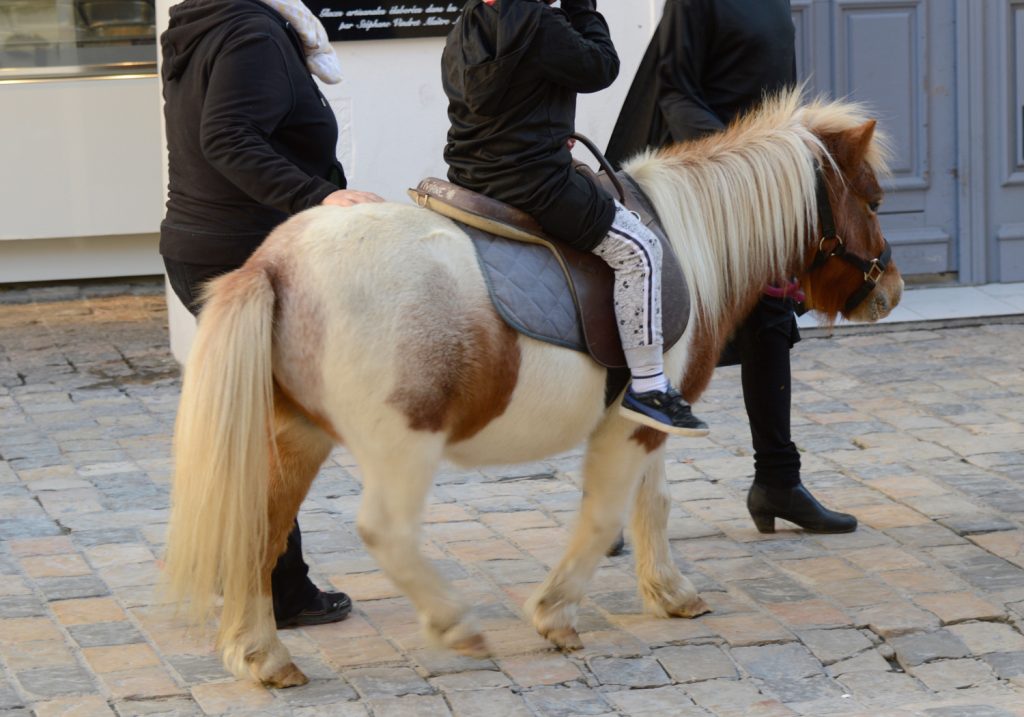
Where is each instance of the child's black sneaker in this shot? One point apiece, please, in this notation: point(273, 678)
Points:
point(663, 411)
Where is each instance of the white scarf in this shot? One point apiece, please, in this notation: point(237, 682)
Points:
point(320, 57)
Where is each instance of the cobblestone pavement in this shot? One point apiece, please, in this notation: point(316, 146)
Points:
point(920, 433)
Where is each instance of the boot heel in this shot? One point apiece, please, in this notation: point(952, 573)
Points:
point(764, 522)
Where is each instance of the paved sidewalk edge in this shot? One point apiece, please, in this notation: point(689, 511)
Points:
point(850, 329)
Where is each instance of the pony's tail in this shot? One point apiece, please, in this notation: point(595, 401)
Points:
point(217, 535)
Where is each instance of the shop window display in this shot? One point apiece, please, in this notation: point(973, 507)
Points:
point(76, 37)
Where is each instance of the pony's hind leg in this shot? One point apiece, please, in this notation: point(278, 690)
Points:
point(611, 467)
point(665, 590)
point(395, 486)
point(300, 450)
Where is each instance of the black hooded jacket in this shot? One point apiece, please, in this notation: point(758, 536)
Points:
point(251, 139)
point(512, 72)
point(709, 61)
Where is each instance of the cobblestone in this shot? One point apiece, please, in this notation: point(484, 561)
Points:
point(868, 661)
point(696, 663)
point(953, 674)
point(917, 432)
point(777, 661)
point(629, 672)
point(1006, 664)
point(834, 645)
point(375, 682)
point(969, 711)
point(488, 702)
point(878, 689)
point(803, 692)
point(916, 649)
point(984, 637)
point(563, 701)
point(668, 701)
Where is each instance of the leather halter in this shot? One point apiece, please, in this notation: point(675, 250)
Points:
point(873, 270)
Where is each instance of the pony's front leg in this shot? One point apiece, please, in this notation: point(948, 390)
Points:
point(396, 480)
point(249, 644)
point(612, 464)
point(665, 590)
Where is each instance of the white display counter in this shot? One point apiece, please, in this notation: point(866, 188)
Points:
point(80, 187)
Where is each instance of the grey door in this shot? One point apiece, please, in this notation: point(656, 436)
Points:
point(992, 154)
point(898, 57)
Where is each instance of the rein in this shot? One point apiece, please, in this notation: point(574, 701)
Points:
point(873, 270)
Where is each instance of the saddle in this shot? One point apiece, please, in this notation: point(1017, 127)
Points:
point(545, 288)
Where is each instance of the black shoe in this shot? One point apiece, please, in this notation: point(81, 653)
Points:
point(618, 546)
point(664, 411)
point(323, 609)
point(796, 505)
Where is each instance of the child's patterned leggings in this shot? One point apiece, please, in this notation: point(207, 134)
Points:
point(634, 253)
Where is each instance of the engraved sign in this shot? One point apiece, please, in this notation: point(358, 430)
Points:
point(347, 20)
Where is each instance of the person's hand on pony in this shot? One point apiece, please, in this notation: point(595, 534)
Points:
point(350, 197)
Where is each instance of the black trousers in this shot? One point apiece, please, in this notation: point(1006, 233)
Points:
point(290, 585)
point(761, 346)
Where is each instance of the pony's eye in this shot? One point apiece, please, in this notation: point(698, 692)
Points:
point(873, 206)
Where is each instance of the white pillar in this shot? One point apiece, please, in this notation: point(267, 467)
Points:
point(181, 323)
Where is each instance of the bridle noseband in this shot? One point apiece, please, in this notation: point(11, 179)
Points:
point(873, 270)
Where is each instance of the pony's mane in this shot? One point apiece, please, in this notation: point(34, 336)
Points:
point(738, 204)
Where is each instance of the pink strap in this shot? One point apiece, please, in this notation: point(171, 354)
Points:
point(791, 290)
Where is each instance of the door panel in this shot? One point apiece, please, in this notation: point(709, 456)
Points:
point(896, 56)
point(891, 82)
point(1005, 131)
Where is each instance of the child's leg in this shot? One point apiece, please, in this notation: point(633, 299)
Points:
point(634, 253)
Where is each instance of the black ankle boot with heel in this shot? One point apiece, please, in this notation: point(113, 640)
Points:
point(798, 506)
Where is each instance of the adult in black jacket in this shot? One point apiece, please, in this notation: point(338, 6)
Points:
point(251, 140)
point(511, 71)
point(710, 61)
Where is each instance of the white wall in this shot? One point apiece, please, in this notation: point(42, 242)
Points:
point(392, 111)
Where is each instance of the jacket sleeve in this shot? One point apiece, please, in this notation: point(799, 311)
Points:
point(576, 49)
point(249, 94)
point(684, 48)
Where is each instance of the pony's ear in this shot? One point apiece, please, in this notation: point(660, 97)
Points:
point(852, 144)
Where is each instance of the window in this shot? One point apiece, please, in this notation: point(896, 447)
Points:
point(52, 38)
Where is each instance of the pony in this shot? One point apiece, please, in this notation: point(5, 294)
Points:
point(371, 327)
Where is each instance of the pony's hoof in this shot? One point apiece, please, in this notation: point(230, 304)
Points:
point(691, 608)
point(672, 596)
point(464, 637)
point(565, 638)
point(287, 676)
point(472, 646)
